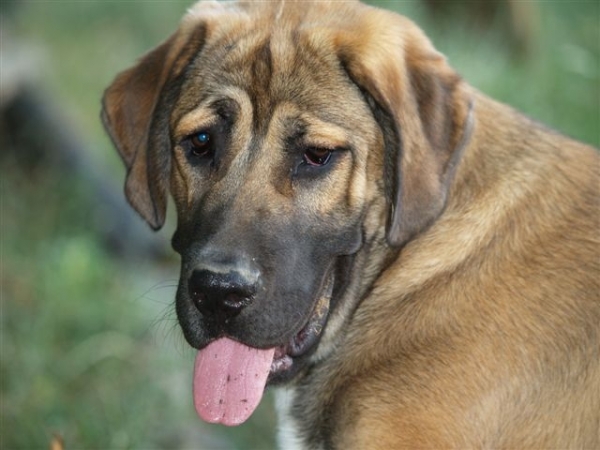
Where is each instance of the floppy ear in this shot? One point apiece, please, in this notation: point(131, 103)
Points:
point(425, 113)
point(135, 114)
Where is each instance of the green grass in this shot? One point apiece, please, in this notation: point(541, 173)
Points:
point(90, 346)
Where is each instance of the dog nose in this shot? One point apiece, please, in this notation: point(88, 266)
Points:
point(221, 294)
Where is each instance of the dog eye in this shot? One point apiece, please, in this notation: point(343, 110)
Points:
point(201, 144)
point(317, 156)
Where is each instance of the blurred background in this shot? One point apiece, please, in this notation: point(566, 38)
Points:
point(90, 349)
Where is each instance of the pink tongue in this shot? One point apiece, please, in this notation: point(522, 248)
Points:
point(229, 381)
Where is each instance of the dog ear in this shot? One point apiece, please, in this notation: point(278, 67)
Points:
point(425, 113)
point(134, 113)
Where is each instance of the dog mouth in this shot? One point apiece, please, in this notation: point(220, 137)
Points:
point(300, 345)
point(230, 377)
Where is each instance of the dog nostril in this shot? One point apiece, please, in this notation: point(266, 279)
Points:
point(220, 294)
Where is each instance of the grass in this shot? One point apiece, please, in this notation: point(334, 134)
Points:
point(90, 346)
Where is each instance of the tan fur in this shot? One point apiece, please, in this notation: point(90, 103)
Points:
point(474, 317)
point(498, 337)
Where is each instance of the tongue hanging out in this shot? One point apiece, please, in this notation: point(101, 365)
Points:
point(229, 381)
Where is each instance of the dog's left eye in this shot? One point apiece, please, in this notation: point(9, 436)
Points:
point(317, 156)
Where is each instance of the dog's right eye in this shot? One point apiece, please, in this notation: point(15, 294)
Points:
point(201, 145)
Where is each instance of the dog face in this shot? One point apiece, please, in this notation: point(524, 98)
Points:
point(293, 138)
point(269, 178)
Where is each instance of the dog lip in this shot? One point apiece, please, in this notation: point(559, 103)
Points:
point(307, 337)
point(311, 332)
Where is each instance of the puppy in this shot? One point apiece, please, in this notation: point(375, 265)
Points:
point(413, 264)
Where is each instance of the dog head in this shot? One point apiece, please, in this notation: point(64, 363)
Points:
point(291, 136)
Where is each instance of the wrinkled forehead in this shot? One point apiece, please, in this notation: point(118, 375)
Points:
point(268, 67)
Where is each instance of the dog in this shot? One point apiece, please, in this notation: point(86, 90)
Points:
point(411, 263)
